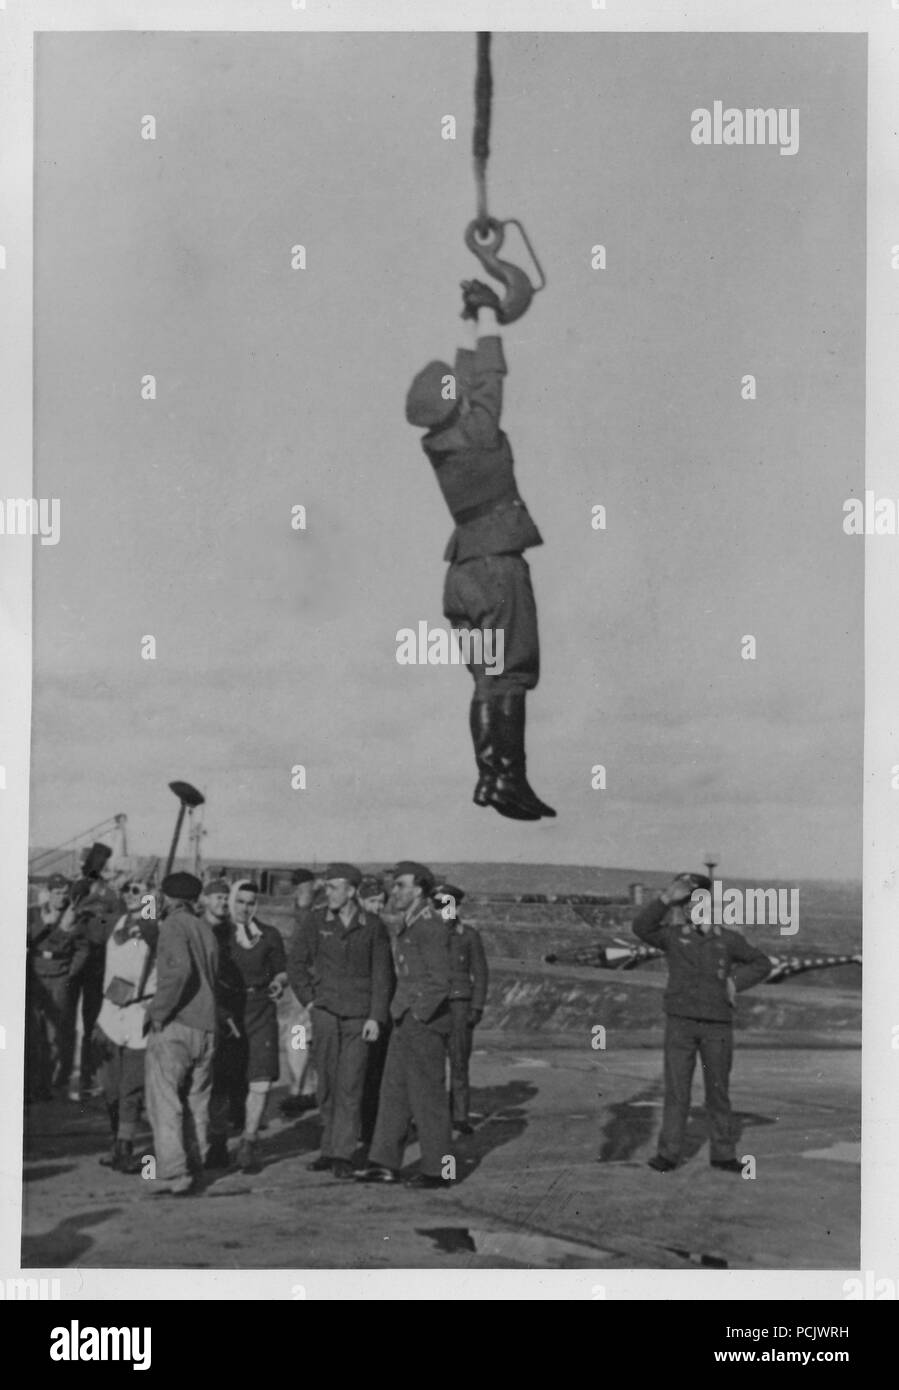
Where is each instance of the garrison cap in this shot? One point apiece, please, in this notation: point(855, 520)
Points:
point(447, 890)
point(302, 876)
point(347, 871)
point(699, 880)
point(370, 886)
point(419, 871)
point(58, 881)
point(425, 402)
point(216, 885)
point(183, 886)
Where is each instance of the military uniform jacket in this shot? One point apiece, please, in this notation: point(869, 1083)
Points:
point(422, 957)
point(473, 462)
point(344, 969)
point(468, 965)
point(52, 952)
point(699, 966)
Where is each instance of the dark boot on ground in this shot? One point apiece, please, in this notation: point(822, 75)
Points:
point(129, 1161)
point(483, 721)
point(248, 1160)
point(511, 787)
point(217, 1155)
point(111, 1160)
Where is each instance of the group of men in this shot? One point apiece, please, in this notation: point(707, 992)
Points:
point(387, 992)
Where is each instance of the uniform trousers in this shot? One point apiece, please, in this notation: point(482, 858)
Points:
point(414, 1088)
point(460, 1041)
point(494, 592)
point(341, 1060)
point(713, 1041)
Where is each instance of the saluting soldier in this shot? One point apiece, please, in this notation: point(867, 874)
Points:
point(340, 966)
point(707, 967)
point(413, 1088)
point(488, 583)
point(467, 997)
point(57, 952)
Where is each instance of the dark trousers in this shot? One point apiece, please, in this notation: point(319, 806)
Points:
point(714, 1042)
point(414, 1088)
point(227, 1099)
point(51, 1022)
point(460, 1040)
point(374, 1073)
point(122, 1076)
point(341, 1058)
point(90, 983)
point(495, 592)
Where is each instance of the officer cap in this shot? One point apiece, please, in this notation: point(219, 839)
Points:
point(347, 871)
point(447, 890)
point(422, 874)
point(183, 886)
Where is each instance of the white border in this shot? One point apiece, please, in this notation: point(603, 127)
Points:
point(880, 1167)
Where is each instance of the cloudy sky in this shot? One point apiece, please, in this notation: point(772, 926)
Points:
point(277, 387)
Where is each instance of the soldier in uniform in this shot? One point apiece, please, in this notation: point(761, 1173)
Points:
point(468, 995)
point(340, 966)
point(488, 583)
point(707, 967)
point(56, 955)
point(413, 1089)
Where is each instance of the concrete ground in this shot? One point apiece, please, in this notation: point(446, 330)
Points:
point(554, 1177)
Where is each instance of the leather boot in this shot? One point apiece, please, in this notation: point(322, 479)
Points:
point(111, 1160)
point(129, 1161)
point(512, 784)
point(483, 723)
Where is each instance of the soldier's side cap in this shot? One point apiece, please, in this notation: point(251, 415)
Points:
point(370, 886)
point(347, 871)
point(699, 880)
point(183, 886)
point(419, 871)
point(58, 881)
point(449, 891)
point(216, 885)
point(425, 402)
point(302, 876)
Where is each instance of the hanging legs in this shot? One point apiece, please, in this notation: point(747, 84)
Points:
point(493, 593)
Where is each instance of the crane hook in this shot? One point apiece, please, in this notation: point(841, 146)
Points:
point(519, 290)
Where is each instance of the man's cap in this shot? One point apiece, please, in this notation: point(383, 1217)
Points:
point(419, 871)
point(183, 886)
point(94, 860)
point(58, 881)
point(425, 402)
point(347, 871)
point(370, 886)
point(302, 876)
point(698, 880)
point(216, 885)
point(449, 891)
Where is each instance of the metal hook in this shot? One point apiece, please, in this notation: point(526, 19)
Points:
point(519, 290)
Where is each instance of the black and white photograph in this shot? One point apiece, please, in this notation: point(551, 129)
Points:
point(446, 735)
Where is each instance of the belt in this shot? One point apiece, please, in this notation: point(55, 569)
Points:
point(485, 508)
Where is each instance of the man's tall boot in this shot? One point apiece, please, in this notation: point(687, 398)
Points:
point(483, 725)
point(512, 783)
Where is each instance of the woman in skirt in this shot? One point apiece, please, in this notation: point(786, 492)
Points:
point(256, 950)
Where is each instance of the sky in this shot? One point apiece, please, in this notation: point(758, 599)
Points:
point(278, 387)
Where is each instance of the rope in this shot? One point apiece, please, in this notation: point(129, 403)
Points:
point(483, 99)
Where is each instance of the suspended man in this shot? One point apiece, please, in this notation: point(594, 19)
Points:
point(488, 583)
